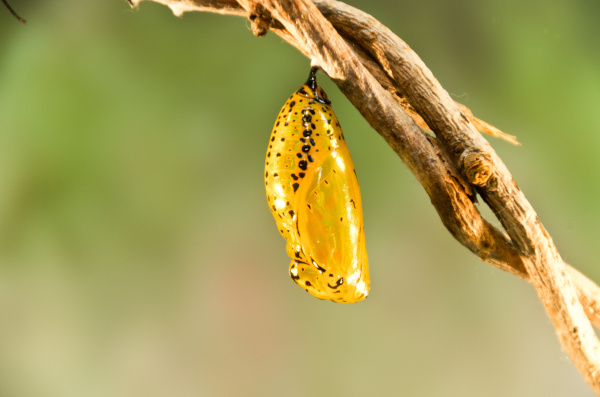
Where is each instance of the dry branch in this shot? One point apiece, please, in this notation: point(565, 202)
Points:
point(14, 14)
point(397, 94)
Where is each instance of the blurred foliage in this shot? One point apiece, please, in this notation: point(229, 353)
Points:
point(137, 253)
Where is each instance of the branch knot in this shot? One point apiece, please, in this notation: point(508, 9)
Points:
point(477, 167)
point(260, 18)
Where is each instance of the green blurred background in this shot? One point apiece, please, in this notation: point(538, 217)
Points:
point(138, 256)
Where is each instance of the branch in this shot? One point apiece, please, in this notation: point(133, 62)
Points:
point(388, 83)
point(13, 12)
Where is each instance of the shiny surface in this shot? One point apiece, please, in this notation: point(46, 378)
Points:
point(314, 196)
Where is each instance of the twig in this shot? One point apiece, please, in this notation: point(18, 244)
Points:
point(14, 14)
point(382, 76)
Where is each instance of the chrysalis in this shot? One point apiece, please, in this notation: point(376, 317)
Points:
point(314, 196)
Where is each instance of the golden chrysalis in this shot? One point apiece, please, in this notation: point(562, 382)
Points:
point(314, 196)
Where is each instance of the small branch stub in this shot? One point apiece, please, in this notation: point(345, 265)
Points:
point(260, 19)
point(477, 167)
